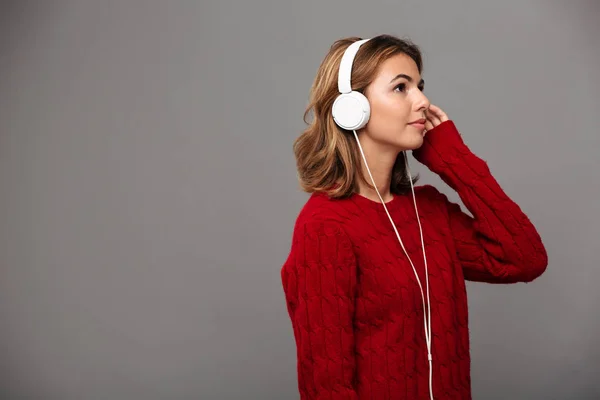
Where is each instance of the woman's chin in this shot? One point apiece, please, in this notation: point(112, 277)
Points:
point(415, 142)
point(407, 141)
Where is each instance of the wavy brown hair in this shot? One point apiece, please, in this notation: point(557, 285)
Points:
point(327, 156)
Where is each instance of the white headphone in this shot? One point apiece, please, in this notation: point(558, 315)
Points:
point(351, 111)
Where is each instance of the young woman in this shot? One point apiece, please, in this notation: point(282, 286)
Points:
point(375, 278)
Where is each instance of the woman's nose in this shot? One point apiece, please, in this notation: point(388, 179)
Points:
point(423, 103)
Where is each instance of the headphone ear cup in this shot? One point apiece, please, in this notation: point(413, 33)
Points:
point(351, 111)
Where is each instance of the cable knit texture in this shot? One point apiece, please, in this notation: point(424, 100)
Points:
point(354, 303)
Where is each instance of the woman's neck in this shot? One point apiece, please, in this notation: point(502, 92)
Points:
point(381, 165)
point(371, 194)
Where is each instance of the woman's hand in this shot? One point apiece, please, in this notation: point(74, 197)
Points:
point(434, 116)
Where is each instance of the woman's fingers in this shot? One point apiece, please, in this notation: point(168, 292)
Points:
point(432, 117)
point(438, 112)
point(428, 124)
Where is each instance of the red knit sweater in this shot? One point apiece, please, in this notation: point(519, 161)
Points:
point(354, 302)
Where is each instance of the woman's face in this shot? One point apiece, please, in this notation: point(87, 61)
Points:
point(397, 105)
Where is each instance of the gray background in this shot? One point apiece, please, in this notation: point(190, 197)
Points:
point(149, 187)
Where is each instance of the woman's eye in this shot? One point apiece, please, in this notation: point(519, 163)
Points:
point(401, 87)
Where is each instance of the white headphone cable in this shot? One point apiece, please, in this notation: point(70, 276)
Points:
point(426, 310)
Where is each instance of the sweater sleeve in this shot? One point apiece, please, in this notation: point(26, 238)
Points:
point(499, 244)
point(319, 280)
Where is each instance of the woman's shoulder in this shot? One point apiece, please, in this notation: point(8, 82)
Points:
point(427, 192)
point(431, 194)
point(433, 201)
point(320, 208)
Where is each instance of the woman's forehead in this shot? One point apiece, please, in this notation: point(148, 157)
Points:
point(399, 65)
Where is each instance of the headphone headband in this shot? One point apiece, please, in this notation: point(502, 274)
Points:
point(345, 73)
